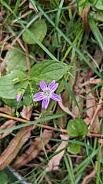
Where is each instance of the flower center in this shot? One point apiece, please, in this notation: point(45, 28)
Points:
point(47, 93)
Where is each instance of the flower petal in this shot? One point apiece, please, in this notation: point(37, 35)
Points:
point(45, 103)
point(56, 97)
point(43, 85)
point(53, 86)
point(19, 97)
point(38, 96)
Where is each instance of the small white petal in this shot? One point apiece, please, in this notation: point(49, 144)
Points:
point(43, 85)
point(45, 103)
point(56, 97)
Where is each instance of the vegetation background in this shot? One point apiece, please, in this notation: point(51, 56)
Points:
point(59, 40)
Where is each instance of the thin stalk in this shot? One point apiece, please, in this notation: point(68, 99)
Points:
point(98, 165)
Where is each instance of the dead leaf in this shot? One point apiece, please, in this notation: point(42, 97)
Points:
point(55, 161)
point(85, 19)
point(66, 109)
point(73, 7)
point(3, 67)
point(88, 178)
point(62, 121)
point(6, 109)
point(101, 113)
point(14, 146)
point(31, 6)
point(27, 112)
point(98, 57)
point(91, 81)
point(95, 125)
point(90, 104)
point(33, 150)
point(87, 120)
point(75, 110)
point(7, 124)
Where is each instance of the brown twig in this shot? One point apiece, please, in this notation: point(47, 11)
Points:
point(45, 126)
point(27, 121)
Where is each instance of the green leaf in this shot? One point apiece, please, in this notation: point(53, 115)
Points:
point(74, 148)
point(16, 58)
point(27, 99)
point(99, 5)
point(38, 29)
point(10, 84)
point(48, 70)
point(12, 103)
point(3, 178)
point(100, 16)
point(77, 127)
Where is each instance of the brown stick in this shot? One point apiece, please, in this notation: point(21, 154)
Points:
point(45, 126)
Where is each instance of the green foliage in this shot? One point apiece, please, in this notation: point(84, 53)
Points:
point(10, 84)
point(39, 30)
point(3, 178)
point(16, 58)
point(48, 70)
point(17, 80)
point(11, 102)
point(74, 148)
point(77, 127)
point(99, 5)
point(66, 41)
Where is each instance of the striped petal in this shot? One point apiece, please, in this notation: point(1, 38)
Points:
point(43, 85)
point(53, 86)
point(55, 97)
point(45, 103)
point(38, 96)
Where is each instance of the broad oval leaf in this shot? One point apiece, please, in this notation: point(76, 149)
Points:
point(10, 84)
point(74, 148)
point(16, 58)
point(48, 70)
point(38, 29)
point(77, 127)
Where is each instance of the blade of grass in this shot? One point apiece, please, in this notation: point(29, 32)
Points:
point(82, 166)
point(58, 13)
point(57, 20)
point(96, 32)
point(70, 172)
point(74, 42)
point(98, 165)
point(16, 6)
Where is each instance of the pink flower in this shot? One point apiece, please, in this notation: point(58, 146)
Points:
point(47, 93)
point(19, 97)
